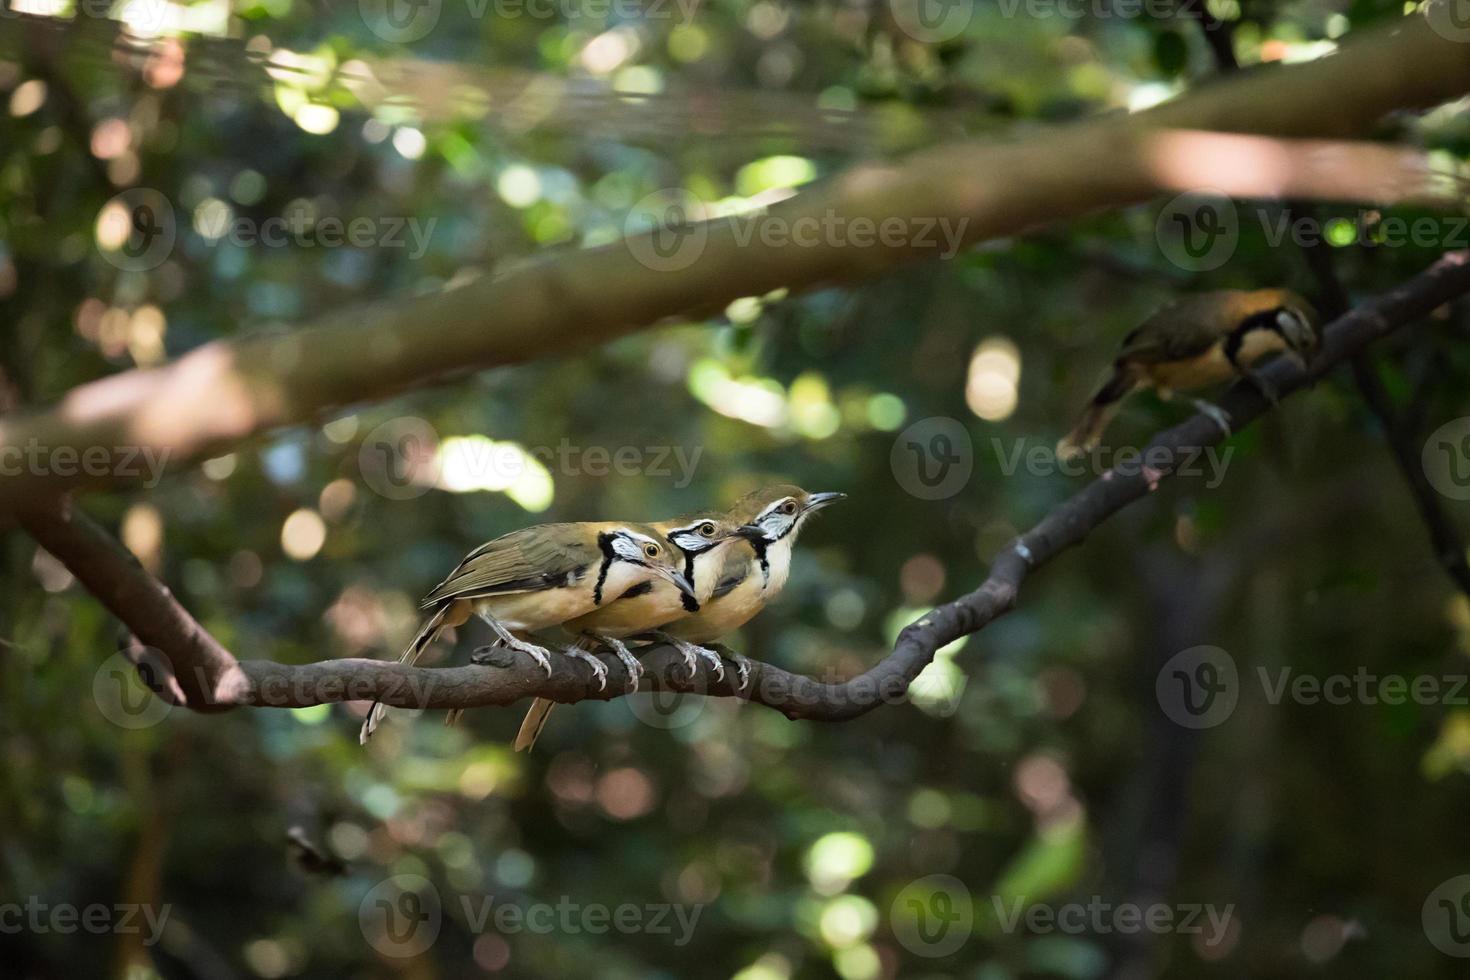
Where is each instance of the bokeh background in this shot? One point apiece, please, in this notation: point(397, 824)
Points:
point(1036, 762)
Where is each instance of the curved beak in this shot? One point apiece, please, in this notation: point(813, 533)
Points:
point(680, 580)
point(819, 500)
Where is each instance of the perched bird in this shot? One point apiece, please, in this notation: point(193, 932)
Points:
point(701, 539)
point(1196, 341)
point(750, 577)
point(540, 577)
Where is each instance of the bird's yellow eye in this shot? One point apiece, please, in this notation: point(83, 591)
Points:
point(651, 550)
point(789, 507)
point(708, 530)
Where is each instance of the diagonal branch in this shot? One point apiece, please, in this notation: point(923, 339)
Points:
point(201, 666)
point(225, 392)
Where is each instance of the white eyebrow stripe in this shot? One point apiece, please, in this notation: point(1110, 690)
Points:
point(772, 508)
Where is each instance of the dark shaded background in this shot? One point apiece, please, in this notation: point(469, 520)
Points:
point(1037, 763)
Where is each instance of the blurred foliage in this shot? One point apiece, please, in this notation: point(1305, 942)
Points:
point(1035, 764)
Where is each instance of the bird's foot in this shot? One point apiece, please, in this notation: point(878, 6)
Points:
point(599, 669)
point(635, 669)
point(1215, 414)
point(742, 668)
point(692, 652)
point(485, 656)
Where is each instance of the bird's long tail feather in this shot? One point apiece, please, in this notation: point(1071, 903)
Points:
point(1088, 431)
point(411, 653)
point(534, 721)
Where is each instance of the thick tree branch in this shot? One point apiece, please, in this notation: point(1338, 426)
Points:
point(201, 665)
point(228, 391)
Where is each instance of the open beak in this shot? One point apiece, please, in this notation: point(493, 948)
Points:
point(680, 580)
point(819, 500)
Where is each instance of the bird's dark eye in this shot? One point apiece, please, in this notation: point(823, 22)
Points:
point(789, 507)
point(651, 550)
point(708, 530)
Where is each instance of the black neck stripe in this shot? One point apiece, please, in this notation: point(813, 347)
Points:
point(690, 603)
point(605, 544)
point(760, 545)
point(1258, 321)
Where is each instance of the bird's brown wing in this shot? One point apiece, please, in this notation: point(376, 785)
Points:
point(529, 560)
point(1185, 328)
point(736, 568)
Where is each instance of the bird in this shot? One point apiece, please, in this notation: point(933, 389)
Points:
point(700, 538)
point(750, 577)
point(539, 577)
point(1196, 341)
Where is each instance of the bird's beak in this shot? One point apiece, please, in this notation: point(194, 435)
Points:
point(680, 580)
point(819, 500)
point(750, 532)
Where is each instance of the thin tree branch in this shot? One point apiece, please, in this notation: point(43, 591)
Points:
point(1332, 298)
point(225, 392)
point(202, 665)
point(1445, 539)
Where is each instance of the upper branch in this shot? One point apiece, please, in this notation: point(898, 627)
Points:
point(227, 391)
point(195, 662)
